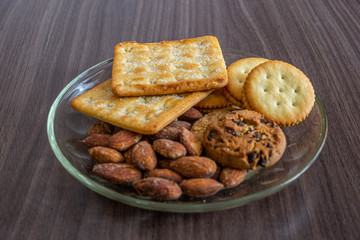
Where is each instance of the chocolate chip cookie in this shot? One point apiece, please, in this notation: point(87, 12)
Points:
point(244, 139)
point(199, 127)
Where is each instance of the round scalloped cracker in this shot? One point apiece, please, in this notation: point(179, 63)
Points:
point(207, 110)
point(237, 73)
point(215, 100)
point(231, 98)
point(280, 92)
point(245, 103)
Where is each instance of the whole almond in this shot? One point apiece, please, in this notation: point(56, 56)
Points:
point(106, 155)
point(171, 131)
point(169, 148)
point(167, 174)
point(143, 156)
point(194, 166)
point(180, 124)
point(95, 140)
point(168, 132)
point(191, 142)
point(101, 127)
point(158, 188)
point(122, 173)
point(231, 177)
point(164, 163)
point(123, 140)
point(127, 156)
point(200, 187)
point(191, 115)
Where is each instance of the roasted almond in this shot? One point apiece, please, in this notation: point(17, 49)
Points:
point(143, 156)
point(171, 131)
point(95, 140)
point(127, 156)
point(168, 132)
point(167, 174)
point(180, 124)
point(169, 148)
point(122, 173)
point(191, 115)
point(200, 187)
point(191, 142)
point(231, 177)
point(123, 140)
point(164, 163)
point(106, 155)
point(158, 188)
point(101, 127)
point(194, 166)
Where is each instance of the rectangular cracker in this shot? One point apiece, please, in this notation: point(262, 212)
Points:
point(188, 65)
point(145, 114)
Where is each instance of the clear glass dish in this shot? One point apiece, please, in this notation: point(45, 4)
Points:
point(66, 127)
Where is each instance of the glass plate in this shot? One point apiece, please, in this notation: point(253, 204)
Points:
point(66, 127)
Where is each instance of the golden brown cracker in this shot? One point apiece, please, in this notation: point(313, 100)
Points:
point(188, 65)
point(231, 98)
point(280, 92)
point(146, 114)
point(215, 100)
point(237, 73)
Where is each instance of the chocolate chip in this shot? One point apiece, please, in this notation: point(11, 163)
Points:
point(249, 131)
point(262, 161)
point(210, 136)
point(268, 145)
point(252, 156)
point(257, 137)
point(231, 132)
point(263, 121)
point(238, 122)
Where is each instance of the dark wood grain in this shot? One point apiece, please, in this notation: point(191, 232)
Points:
point(46, 43)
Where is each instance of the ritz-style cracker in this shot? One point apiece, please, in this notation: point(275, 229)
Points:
point(237, 73)
point(280, 92)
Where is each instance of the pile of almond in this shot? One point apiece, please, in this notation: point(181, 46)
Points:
point(163, 166)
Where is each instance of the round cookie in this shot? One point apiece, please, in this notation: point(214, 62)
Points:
point(215, 100)
point(237, 73)
point(199, 127)
point(280, 92)
point(244, 139)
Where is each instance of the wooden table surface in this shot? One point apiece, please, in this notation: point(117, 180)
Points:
point(44, 44)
